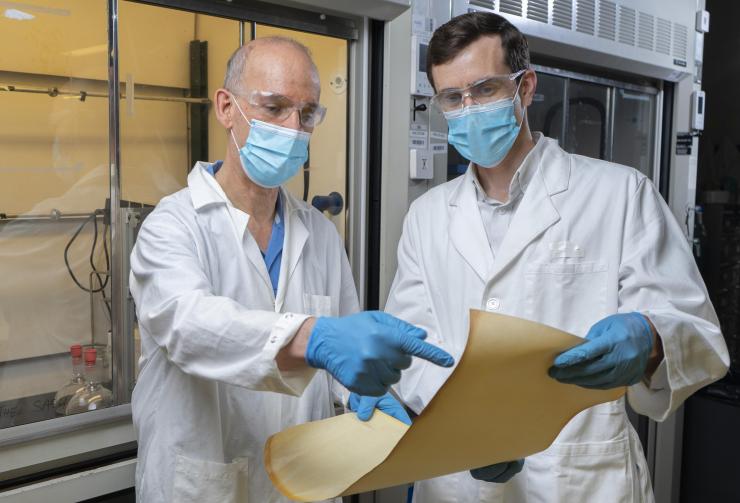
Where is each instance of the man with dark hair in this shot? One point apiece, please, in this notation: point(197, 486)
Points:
point(580, 244)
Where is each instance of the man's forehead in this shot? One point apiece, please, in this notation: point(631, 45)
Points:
point(483, 58)
point(281, 73)
point(487, 50)
point(297, 88)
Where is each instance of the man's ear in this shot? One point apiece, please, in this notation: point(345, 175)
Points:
point(529, 87)
point(223, 104)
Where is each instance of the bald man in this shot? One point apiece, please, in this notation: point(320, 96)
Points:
point(242, 292)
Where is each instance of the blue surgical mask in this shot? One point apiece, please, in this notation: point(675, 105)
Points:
point(484, 134)
point(272, 154)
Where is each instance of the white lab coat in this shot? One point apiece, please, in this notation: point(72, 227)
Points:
point(589, 239)
point(209, 393)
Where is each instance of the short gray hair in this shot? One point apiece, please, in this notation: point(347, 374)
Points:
point(238, 60)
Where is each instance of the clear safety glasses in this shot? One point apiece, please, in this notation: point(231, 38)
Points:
point(484, 91)
point(275, 108)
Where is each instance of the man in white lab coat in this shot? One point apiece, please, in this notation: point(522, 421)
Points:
point(242, 292)
point(580, 244)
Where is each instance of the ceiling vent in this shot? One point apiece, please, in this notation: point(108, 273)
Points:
point(586, 16)
point(562, 13)
point(607, 19)
point(513, 7)
point(621, 22)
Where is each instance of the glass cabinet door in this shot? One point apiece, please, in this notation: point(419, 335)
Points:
point(169, 76)
point(167, 122)
point(545, 114)
point(54, 186)
point(588, 119)
point(57, 250)
point(634, 130)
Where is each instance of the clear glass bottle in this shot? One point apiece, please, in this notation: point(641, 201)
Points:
point(61, 399)
point(93, 395)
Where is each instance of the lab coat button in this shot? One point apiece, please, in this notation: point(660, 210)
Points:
point(493, 304)
point(273, 339)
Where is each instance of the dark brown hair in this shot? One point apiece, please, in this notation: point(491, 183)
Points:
point(455, 35)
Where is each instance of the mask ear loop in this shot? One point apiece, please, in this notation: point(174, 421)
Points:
point(519, 98)
point(239, 108)
point(236, 144)
point(231, 130)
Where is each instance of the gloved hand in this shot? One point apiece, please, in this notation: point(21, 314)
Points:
point(366, 405)
point(615, 353)
point(367, 351)
point(498, 473)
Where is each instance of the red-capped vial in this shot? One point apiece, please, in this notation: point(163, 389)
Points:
point(91, 355)
point(75, 350)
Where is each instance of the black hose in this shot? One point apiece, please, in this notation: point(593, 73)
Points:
point(93, 216)
point(102, 284)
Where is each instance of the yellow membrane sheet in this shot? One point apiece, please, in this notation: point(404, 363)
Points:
point(498, 405)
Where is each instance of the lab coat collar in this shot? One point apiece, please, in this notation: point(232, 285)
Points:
point(205, 191)
point(202, 191)
point(467, 233)
point(536, 212)
point(296, 236)
point(547, 172)
point(554, 164)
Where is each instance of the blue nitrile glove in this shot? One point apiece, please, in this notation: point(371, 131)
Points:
point(366, 405)
point(499, 473)
point(615, 354)
point(367, 351)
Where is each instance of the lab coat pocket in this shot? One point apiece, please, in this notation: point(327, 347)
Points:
point(593, 471)
point(568, 296)
point(199, 481)
point(317, 305)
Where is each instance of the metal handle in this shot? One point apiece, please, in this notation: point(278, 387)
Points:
point(333, 203)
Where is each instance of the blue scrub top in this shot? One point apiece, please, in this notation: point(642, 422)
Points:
point(274, 254)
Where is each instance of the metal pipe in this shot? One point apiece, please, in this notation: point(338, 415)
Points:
point(194, 101)
point(43, 218)
point(358, 123)
point(121, 376)
point(566, 112)
point(53, 92)
point(658, 121)
point(63, 425)
point(611, 112)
